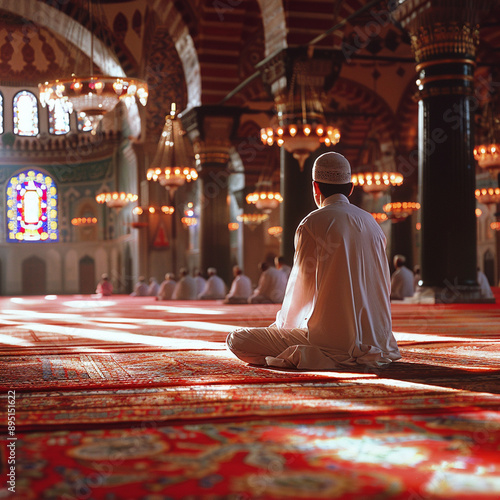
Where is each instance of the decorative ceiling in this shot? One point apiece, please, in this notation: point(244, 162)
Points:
point(199, 51)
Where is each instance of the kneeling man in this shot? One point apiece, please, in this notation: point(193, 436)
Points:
point(336, 313)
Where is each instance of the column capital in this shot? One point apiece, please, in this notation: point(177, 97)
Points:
point(211, 130)
point(442, 28)
point(322, 67)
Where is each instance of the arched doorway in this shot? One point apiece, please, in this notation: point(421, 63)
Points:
point(86, 271)
point(34, 276)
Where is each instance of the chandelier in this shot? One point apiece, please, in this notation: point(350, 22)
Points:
point(264, 197)
point(299, 124)
point(380, 217)
point(275, 231)
point(116, 199)
point(166, 209)
point(488, 196)
point(84, 221)
point(376, 182)
point(252, 220)
point(487, 153)
point(171, 166)
point(92, 95)
point(399, 211)
point(371, 175)
point(190, 217)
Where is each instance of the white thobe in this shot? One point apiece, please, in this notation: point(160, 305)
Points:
point(271, 287)
point(483, 282)
point(402, 283)
point(200, 284)
point(153, 288)
point(336, 312)
point(166, 290)
point(241, 288)
point(140, 289)
point(215, 288)
point(185, 289)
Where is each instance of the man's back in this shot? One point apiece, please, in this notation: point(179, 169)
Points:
point(185, 289)
point(402, 283)
point(340, 281)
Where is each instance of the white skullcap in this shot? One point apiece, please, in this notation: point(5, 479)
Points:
point(331, 168)
point(212, 270)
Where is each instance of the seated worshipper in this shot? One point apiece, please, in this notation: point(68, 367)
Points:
point(104, 287)
point(280, 264)
point(241, 288)
point(185, 289)
point(141, 288)
point(215, 288)
point(486, 292)
point(200, 281)
point(153, 287)
point(402, 284)
point(416, 277)
point(167, 287)
point(336, 313)
point(271, 287)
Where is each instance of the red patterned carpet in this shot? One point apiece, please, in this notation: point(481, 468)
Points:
point(132, 399)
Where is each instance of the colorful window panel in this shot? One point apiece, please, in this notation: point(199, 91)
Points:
point(25, 107)
point(58, 119)
point(32, 213)
point(1, 113)
point(84, 124)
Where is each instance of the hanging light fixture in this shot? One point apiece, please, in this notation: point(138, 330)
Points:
point(264, 197)
point(487, 153)
point(380, 217)
point(371, 175)
point(166, 209)
point(190, 217)
point(116, 199)
point(172, 164)
point(84, 221)
point(299, 124)
point(488, 196)
point(275, 231)
point(399, 211)
point(92, 96)
point(251, 219)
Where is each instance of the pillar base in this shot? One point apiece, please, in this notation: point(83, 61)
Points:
point(456, 294)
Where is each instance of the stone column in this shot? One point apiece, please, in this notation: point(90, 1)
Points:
point(278, 72)
point(211, 130)
point(444, 35)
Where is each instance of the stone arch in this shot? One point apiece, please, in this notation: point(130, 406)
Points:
point(86, 275)
point(274, 22)
point(42, 14)
point(169, 17)
point(34, 276)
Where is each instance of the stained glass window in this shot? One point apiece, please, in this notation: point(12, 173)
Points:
point(84, 124)
point(58, 119)
point(32, 213)
point(25, 107)
point(1, 113)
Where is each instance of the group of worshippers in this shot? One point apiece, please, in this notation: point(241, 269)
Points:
point(270, 288)
point(405, 283)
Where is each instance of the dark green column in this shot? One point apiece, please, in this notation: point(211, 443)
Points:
point(444, 35)
point(298, 201)
point(211, 130)
point(214, 220)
